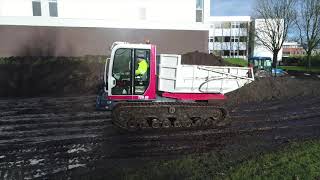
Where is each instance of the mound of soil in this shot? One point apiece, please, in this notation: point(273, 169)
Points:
point(46, 76)
point(199, 58)
point(279, 88)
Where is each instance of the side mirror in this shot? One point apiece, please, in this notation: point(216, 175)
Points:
point(113, 82)
point(105, 87)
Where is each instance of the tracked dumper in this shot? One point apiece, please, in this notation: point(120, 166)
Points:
point(170, 94)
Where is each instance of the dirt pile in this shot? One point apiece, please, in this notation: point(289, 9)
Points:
point(274, 89)
point(199, 58)
point(42, 76)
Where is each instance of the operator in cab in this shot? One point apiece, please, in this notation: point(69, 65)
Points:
point(142, 66)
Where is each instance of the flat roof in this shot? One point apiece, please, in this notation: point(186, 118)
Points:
point(291, 43)
point(101, 23)
point(228, 18)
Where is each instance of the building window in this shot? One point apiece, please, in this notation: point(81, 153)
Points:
point(242, 53)
point(226, 53)
point(36, 8)
point(243, 39)
point(218, 53)
point(226, 25)
point(218, 39)
point(227, 39)
point(199, 10)
point(53, 8)
point(243, 25)
point(235, 39)
point(234, 53)
point(235, 25)
point(198, 15)
point(217, 25)
point(48, 8)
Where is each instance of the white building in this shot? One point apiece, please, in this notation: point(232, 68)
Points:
point(229, 35)
point(182, 11)
point(127, 19)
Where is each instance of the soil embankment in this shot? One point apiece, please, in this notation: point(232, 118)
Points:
point(199, 58)
point(266, 89)
point(50, 76)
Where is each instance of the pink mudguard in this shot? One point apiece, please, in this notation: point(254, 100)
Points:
point(195, 97)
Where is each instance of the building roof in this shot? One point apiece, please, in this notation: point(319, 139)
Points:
point(228, 18)
point(291, 43)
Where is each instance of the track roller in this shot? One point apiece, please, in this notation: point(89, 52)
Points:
point(165, 115)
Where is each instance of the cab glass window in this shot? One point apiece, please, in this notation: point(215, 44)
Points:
point(142, 71)
point(121, 72)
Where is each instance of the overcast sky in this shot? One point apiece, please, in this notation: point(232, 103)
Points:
point(231, 7)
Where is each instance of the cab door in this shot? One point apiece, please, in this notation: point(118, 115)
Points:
point(124, 83)
point(121, 77)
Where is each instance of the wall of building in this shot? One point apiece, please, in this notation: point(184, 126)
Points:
point(79, 41)
point(207, 10)
point(151, 10)
point(15, 8)
point(91, 26)
point(228, 35)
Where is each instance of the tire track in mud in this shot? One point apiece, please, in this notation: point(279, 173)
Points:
point(181, 144)
point(40, 137)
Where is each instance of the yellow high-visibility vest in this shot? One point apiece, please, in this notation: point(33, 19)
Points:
point(143, 67)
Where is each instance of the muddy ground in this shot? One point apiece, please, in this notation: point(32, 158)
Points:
point(57, 138)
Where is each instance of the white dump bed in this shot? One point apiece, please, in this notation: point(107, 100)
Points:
point(177, 78)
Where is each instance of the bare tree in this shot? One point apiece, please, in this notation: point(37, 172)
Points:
point(308, 24)
point(277, 16)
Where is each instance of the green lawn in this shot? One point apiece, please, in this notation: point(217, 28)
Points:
point(298, 160)
point(237, 61)
point(301, 161)
point(300, 68)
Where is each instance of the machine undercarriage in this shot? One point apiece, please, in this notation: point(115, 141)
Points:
point(168, 115)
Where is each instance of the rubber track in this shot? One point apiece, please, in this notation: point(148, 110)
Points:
point(168, 115)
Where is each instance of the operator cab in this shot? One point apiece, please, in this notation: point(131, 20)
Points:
point(124, 79)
